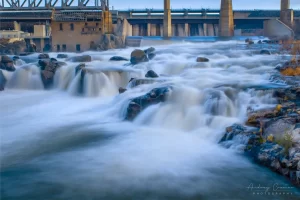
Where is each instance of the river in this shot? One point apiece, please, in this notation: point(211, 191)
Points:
point(58, 145)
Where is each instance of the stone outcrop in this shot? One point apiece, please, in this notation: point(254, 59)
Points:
point(83, 58)
point(265, 52)
point(7, 63)
point(48, 69)
point(12, 48)
point(274, 140)
point(138, 104)
point(110, 41)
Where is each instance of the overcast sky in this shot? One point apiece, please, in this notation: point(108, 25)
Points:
point(237, 4)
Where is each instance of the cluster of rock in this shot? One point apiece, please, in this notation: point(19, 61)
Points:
point(109, 41)
point(274, 139)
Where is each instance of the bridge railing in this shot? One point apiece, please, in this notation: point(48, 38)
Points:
point(19, 4)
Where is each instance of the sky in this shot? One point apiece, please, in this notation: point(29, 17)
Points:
point(237, 4)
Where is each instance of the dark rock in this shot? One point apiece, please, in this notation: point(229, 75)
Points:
point(122, 90)
point(265, 52)
point(80, 69)
point(138, 104)
point(118, 58)
point(7, 64)
point(48, 67)
point(151, 74)
point(151, 56)
point(138, 56)
point(84, 58)
point(2, 81)
point(16, 58)
point(15, 48)
point(149, 50)
point(62, 56)
point(255, 118)
point(6, 59)
point(259, 42)
point(43, 56)
point(202, 59)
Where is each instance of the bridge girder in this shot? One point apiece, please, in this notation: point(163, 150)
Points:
point(19, 4)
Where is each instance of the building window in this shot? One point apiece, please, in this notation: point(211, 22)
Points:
point(97, 24)
point(99, 29)
point(64, 47)
point(82, 30)
point(60, 26)
point(58, 47)
point(72, 27)
point(78, 47)
point(86, 24)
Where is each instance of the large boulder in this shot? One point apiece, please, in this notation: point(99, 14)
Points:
point(151, 74)
point(118, 58)
point(44, 56)
point(48, 69)
point(111, 41)
point(138, 56)
point(256, 117)
point(7, 64)
point(138, 104)
point(83, 58)
point(202, 59)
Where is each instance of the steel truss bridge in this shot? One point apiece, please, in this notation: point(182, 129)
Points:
point(47, 4)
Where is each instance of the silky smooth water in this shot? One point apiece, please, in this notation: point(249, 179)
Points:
point(56, 144)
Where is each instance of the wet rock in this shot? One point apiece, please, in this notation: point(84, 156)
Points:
point(255, 118)
point(149, 50)
point(138, 104)
point(151, 56)
point(265, 52)
point(122, 90)
point(202, 59)
point(7, 64)
point(49, 67)
point(151, 74)
point(62, 56)
point(111, 41)
point(138, 56)
point(80, 69)
point(83, 58)
point(44, 56)
point(16, 58)
point(249, 41)
point(2, 81)
point(118, 58)
point(279, 127)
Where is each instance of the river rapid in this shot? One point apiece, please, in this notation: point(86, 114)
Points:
point(56, 144)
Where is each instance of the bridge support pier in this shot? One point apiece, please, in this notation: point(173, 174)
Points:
point(226, 23)
point(186, 29)
point(135, 30)
point(210, 30)
point(17, 26)
point(167, 30)
point(148, 29)
point(286, 14)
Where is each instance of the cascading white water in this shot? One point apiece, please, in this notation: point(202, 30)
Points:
point(26, 77)
point(58, 146)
